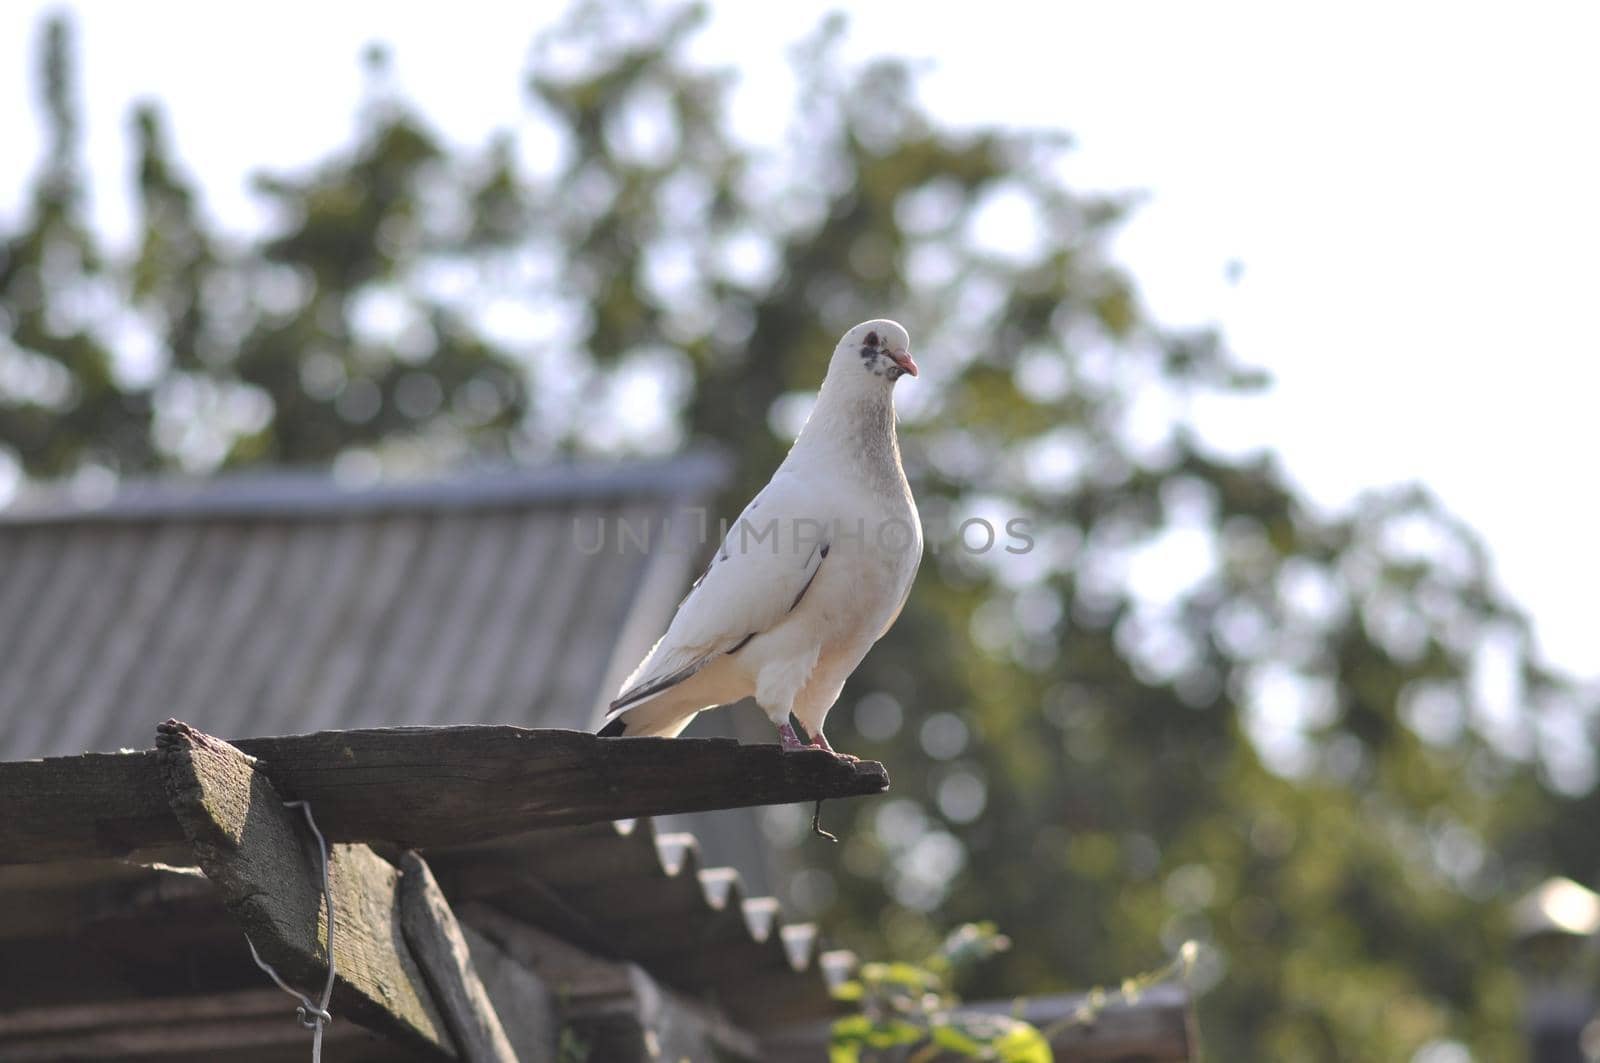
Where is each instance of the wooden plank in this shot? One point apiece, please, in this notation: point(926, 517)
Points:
point(241, 1025)
point(441, 951)
point(422, 786)
point(616, 1011)
point(42, 904)
point(98, 804)
point(525, 1004)
point(455, 785)
point(74, 1018)
point(162, 942)
point(264, 863)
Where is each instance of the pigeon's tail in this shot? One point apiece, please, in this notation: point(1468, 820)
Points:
point(659, 718)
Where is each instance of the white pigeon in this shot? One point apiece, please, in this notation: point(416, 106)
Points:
point(815, 570)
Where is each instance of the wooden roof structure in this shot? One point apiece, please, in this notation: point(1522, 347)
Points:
point(486, 904)
point(126, 880)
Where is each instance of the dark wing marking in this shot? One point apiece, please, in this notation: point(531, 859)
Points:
point(794, 604)
point(651, 687)
point(737, 646)
point(721, 555)
point(615, 729)
point(718, 556)
point(699, 580)
point(812, 578)
point(654, 686)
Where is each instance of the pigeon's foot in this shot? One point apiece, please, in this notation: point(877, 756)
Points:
point(788, 738)
point(819, 742)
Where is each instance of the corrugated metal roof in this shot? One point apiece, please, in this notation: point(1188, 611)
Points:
point(287, 492)
point(288, 603)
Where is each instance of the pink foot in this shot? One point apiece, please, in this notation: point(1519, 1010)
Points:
point(819, 742)
point(788, 738)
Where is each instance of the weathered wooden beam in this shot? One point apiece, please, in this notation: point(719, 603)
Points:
point(38, 900)
point(265, 865)
point(525, 1004)
point(98, 804)
point(442, 953)
point(241, 1026)
point(428, 786)
point(615, 1011)
point(170, 931)
point(1156, 1027)
point(421, 786)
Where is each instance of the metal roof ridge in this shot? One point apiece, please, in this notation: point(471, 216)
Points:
point(288, 493)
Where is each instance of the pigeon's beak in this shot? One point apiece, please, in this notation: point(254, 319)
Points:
point(903, 360)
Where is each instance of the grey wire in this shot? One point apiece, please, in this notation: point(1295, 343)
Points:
point(311, 1016)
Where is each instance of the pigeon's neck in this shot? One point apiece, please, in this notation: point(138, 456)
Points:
point(855, 425)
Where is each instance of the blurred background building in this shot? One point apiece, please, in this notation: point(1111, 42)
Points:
point(288, 603)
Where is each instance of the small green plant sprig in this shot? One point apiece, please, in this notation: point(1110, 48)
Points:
point(908, 1012)
point(909, 1015)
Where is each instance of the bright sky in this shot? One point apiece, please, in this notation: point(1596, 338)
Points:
point(1411, 190)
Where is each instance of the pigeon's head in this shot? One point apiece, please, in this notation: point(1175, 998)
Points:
point(881, 348)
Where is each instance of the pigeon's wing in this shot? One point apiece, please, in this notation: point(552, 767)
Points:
point(759, 574)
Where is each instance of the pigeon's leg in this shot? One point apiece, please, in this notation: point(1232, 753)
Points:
point(789, 739)
point(775, 689)
point(819, 742)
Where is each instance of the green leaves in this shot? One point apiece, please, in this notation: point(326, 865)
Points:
point(908, 1007)
point(996, 1037)
point(858, 1033)
point(968, 945)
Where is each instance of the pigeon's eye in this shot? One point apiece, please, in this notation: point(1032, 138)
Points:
point(872, 339)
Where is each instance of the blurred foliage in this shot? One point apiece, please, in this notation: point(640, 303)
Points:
point(906, 1013)
point(1319, 745)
